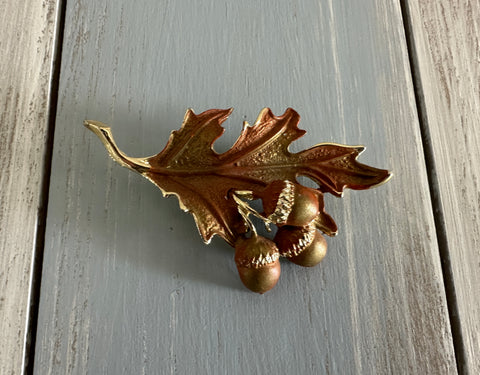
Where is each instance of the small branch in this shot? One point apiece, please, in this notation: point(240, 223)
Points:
point(244, 209)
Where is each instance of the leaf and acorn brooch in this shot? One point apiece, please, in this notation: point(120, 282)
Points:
point(218, 188)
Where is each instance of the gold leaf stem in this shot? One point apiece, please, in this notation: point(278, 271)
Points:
point(103, 132)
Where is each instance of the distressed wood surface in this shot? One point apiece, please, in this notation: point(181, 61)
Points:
point(128, 286)
point(26, 43)
point(447, 54)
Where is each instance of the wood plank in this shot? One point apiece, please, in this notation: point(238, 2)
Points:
point(26, 41)
point(128, 286)
point(447, 56)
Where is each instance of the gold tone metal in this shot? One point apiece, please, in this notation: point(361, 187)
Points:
point(213, 186)
point(304, 246)
point(313, 254)
point(257, 263)
point(293, 241)
point(258, 259)
point(245, 210)
point(284, 204)
point(289, 203)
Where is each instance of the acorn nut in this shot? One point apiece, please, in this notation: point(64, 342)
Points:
point(257, 263)
point(304, 246)
point(288, 203)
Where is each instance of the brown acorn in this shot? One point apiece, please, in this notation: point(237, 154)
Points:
point(289, 203)
point(257, 263)
point(304, 246)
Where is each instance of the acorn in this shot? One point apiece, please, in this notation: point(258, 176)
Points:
point(304, 246)
point(257, 263)
point(288, 203)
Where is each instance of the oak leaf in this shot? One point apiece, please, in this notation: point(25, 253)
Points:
point(202, 179)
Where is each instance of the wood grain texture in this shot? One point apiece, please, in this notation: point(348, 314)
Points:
point(447, 53)
point(26, 41)
point(128, 286)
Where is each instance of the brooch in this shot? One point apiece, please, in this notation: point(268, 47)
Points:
point(218, 189)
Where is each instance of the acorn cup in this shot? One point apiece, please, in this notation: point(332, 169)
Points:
point(288, 203)
point(257, 263)
point(304, 246)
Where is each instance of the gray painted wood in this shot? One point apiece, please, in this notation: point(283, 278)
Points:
point(26, 43)
point(128, 286)
point(447, 45)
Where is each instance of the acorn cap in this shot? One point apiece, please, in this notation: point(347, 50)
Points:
point(313, 254)
point(289, 203)
point(292, 241)
point(255, 252)
point(278, 199)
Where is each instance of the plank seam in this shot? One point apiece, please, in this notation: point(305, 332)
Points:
point(433, 183)
point(39, 244)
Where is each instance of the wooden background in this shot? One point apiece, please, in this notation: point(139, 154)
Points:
point(127, 285)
